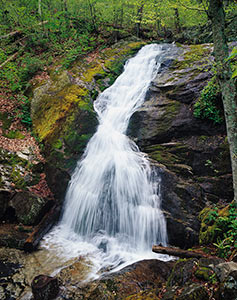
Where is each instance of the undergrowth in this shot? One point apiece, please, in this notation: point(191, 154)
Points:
point(225, 230)
point(209, 104)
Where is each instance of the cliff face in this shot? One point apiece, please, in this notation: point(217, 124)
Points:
point(190, 154)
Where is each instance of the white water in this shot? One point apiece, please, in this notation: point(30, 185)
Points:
point(112, 207)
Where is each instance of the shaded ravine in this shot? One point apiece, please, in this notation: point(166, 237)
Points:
point(112, 207)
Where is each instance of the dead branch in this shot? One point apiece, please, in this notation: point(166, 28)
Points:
point(9, 59)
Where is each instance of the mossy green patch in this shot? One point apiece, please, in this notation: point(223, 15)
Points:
point(63, 107)
point(14, 134)
point(195, 54)
point(204, 273)
point(209, 229)
point(6, 120)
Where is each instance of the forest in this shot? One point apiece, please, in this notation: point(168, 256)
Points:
point(56, 57)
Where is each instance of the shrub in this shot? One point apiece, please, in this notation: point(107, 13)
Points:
point(207, 107)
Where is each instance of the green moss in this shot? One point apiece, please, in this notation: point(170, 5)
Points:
point(160, 154)
point(173, 156)
point(172, 276)
point(6, 120)
point(63, 108)
point(195, 54)
point(204, 273)
point(14, 135)
point(57, 144)
point(215, 223)
point(17, 179)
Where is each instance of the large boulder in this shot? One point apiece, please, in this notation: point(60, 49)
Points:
point(5, 196)
point(132, 281)
point(29, 208)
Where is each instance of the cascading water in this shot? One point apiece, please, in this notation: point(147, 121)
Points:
point(113, 199)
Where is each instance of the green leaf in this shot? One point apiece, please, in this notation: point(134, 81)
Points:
point(233, 54)
point(234, 73)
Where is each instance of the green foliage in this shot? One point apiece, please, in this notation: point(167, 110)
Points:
point(207, 105)
point(30, 66)
point(24, 110)
point(233, 59)
point(226, 228)
point(212, 216)
point(14, 135)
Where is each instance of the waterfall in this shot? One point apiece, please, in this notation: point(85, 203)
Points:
point(113, 199)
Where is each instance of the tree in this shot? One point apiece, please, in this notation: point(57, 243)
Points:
point(216, 14)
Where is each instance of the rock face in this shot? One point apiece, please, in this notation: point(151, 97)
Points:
point(45, 287)
point(29, 208)
point(142, 278)
point(192, 154)
point(62, 107)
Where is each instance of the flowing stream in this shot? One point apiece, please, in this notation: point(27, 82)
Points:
point(112, 206)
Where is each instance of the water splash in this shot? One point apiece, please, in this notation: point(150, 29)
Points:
point(113, 199)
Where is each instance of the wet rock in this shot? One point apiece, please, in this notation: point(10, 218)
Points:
point(181, 202)
point(193, 154)
point(194, 291)
point(227, 274)
point(5, 196)
point(11, 280)
point(223, 270)
point(29, 208)
point(57, 180)
point(12, 236)
point(228, 289)
point(182, 272)
point(137, 278)
point(45, 287)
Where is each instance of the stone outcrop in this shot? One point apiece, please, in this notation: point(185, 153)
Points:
point(144, 278)
point(190, 154)
point(62, 107)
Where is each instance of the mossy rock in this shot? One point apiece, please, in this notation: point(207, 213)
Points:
point(182, 272)
point(29, 208)
point(204, 273)
point(193, 291)
point(62, 108)
point(194, 54)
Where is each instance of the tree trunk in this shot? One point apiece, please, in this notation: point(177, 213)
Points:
point(39, 8)
point(228, 88)
point(139, 16)
point(93, 15)
point(177, 20)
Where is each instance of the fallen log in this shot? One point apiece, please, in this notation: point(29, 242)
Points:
point(41, 229)
point(178, 252)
